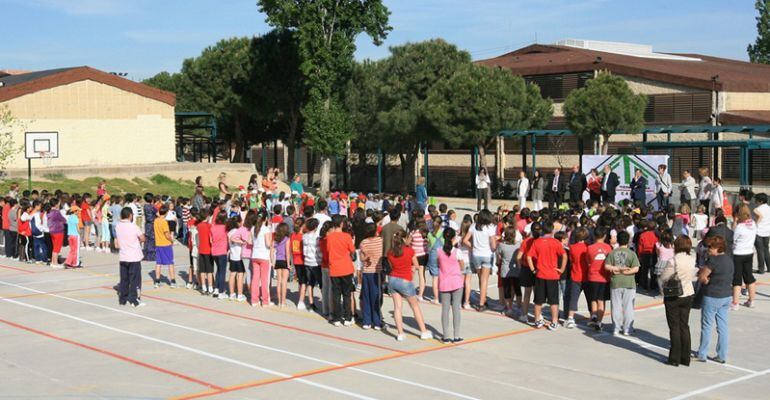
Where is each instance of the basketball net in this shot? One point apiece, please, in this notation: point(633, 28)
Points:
point(46, 156)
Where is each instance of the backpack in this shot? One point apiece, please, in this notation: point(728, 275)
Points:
point(36, 232)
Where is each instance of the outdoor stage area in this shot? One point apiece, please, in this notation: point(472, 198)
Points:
point(63, 335)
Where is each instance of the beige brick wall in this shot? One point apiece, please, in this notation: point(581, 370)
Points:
point(646, 86)
point(86, 99)
point(98, 125)
point(746, 101)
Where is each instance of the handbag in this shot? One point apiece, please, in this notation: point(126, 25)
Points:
point(673, 286)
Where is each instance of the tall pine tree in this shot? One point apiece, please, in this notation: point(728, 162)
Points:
point(759, 52)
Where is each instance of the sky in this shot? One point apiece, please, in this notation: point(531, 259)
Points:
point(144, 37)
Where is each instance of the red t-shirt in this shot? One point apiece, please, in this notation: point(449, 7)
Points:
point(521, 224)
point(24, 227)
point(597, 253)
point(401, 266)
point(85, 212)
point(296, 249)
point(204, 238)
point(6, 220)
point(324, 252)
point(547, 250)
point(647, 242)
point(277, 219)
point(340, 245)
point(578, 262)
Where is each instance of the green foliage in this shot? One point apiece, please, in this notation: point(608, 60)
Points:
point(160, 179)
point(8, 148)
point(362, 102)
point(54, 176)
point(167, 186)
point(330, 132)
point(477, 102)
point(759, 52)
point(605, 105)
point(407, 77)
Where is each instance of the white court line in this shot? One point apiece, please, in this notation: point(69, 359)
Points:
point(646, 345)
point(720, 385)
point(491, 380)
point(77, 278)
point(247, 343)
point(189, 349)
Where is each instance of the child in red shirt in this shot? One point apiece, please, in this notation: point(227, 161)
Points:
point(597, 288)
point(86, 218)
point(340, 248)
point(551, 262)
point(578, 256)
point(645, 248)
point(205, 260)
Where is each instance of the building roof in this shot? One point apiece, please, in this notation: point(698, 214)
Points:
point(691, 70)
point(748, 117)
point(13, 86)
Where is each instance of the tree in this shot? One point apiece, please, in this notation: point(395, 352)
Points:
point(604, 106)
point(276, 90)
point(326, 31)
point(477, 102)
point(362, 102)
point(759, 52)
point(407, 77)
point(8, 125)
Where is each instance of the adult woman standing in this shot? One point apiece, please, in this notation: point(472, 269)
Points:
point(744, 236)
point(150, 213)
point(482, 240)
point(716, 281)
point(421, 194)
point(681, 268)
point(687, 190)
point(222, 185)
point(538, 192)
point(595, 186)
point(403, 263)
point(704, 188)
point(482, 189)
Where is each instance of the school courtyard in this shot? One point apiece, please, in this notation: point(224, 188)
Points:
point(65, 336)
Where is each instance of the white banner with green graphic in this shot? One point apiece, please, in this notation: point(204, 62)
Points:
point(625, 166)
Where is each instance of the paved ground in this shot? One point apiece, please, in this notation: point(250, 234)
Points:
point(63, 335)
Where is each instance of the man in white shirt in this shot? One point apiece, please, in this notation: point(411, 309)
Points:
point(556, 189)
point(663, 187)
point(762, 244)
point(522, 189)
point(322, 215)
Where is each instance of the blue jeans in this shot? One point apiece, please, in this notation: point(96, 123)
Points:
point(714, 309)
point(40, 248)
point(370, 299)
point(221, 277)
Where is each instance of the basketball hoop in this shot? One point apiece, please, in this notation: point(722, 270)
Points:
point(46, 156)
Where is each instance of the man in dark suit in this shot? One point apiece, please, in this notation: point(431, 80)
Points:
point(610, 182)
point(639, 188)
point(556, 189)
point(577, 184)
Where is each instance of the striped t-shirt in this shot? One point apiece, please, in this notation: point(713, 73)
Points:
point(419, 244)
point(371, 255)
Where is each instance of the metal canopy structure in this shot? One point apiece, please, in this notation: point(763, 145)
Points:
point(746, 146)
point(192, 121)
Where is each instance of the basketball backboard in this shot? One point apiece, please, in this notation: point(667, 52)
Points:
point(41, 144)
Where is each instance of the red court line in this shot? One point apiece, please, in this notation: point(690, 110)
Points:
point(19, 269)
point(294, 328)
point(373, 360)
point(113, 355)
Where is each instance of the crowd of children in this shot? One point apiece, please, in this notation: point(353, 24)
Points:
point(359, 247)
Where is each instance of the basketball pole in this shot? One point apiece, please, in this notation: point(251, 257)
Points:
point(29, 174)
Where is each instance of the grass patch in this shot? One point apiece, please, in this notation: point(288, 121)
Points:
point(55, 176)
point(159, 179)
point(158, 184)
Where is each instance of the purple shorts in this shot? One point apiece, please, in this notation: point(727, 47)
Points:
point(164, 255)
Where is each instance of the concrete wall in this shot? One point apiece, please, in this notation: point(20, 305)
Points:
point(745, 101)
point(646, 86)
point(98, 125)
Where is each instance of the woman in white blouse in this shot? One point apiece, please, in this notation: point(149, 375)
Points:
point(482, 189)
point(704, 189)
point(680, 268)
point(744, 236)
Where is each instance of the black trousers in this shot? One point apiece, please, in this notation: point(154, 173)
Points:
point(130, 278)
point(763, 253)
point(678, 318)
point(595, 197)
point(606, 198)
point(646, 278)
point(342, 286)
point(11, 244)
point(554, 199)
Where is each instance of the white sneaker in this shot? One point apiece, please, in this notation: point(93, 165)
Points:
point(215, 293)
point(233, 296)
point(241, 298)
point(301, 306)
point(735, 307)
point(570, 323)
point(139, 304)
point(400, 337)
point(426, 335)
point(466, 306)
point(189, 285)
point(57, 266)
point(366, 327)
point(337, 323)
point(348, 323)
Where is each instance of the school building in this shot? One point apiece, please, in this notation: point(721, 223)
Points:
point(101, 119)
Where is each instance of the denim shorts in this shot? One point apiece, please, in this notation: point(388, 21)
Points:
point(481, 262)
point(401, 286)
